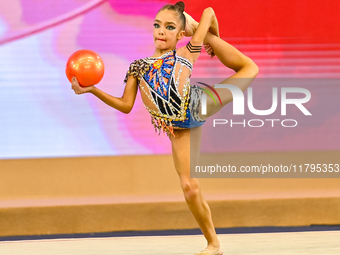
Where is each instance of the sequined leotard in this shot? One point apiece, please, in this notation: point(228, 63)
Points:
point(166, 91)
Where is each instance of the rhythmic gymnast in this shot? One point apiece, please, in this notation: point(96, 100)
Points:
point(173, 103)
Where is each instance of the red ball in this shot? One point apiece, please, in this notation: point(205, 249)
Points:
point(87, 66)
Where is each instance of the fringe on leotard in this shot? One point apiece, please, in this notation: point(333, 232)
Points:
point(161, 124)
point(194, 101)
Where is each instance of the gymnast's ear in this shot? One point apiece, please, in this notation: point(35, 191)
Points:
point(180, 35)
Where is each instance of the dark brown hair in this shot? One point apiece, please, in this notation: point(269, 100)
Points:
point(178, 8)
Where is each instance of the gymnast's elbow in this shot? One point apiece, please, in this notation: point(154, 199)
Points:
point(126, 110)
point(252, 67)
point(209, 10)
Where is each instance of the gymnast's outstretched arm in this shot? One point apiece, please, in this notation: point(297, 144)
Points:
point(123, 104)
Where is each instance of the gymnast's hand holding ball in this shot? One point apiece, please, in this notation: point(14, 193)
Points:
point(80, 89)
point(84, 69)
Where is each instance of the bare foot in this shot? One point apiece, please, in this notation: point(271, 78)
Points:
point(211, 249)
point(190, 26)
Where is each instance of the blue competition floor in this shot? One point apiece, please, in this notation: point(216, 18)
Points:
point(241, 230)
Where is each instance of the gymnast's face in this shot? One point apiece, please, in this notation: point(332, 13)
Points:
point(167, 30)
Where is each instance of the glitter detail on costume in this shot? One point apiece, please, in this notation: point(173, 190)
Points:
point(156, 79)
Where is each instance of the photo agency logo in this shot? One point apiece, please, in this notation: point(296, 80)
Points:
point(239, 105)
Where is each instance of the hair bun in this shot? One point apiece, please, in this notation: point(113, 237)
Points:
point(180, 5)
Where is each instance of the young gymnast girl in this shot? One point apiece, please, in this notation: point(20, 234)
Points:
point(173, 103)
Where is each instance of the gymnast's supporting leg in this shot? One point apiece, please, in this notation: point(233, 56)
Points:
point(184, 154)
point(246, 70)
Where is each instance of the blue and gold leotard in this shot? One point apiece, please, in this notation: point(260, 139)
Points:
point(166, 91)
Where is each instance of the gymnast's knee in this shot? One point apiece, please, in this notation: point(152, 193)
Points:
point(191, 188)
